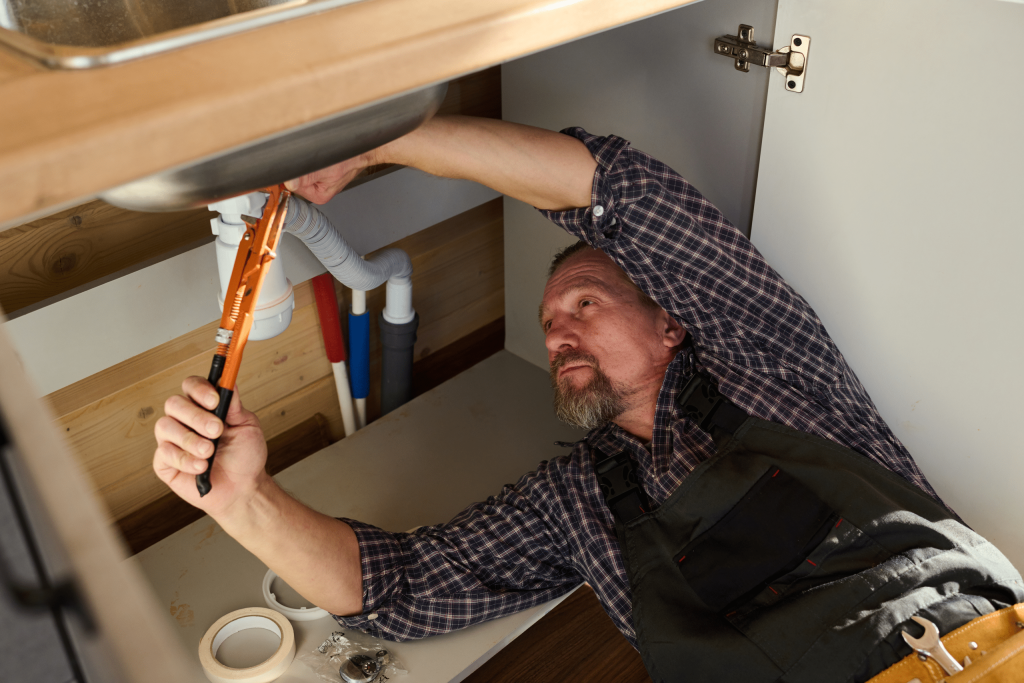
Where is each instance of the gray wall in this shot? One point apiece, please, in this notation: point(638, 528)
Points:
point(906, 238)
point(658, 84)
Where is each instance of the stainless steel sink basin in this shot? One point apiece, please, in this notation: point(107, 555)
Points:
point(280, 157)
point(80, 34)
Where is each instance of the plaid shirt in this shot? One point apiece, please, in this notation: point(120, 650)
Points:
point(759, 339)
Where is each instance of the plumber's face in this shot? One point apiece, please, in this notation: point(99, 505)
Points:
point(603, 342)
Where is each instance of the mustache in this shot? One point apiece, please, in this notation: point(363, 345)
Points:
point(572, 356)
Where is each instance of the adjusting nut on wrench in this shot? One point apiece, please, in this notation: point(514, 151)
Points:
point(929, 645)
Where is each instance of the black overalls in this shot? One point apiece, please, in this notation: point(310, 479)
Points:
point(787, 557)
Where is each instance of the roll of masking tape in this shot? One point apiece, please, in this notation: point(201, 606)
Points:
point(240, 620)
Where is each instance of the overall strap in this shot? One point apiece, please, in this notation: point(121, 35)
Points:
point(702, 403)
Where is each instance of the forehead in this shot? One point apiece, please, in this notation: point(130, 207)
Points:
point(591, 270)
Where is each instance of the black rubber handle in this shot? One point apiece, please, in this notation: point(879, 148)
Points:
point(203, 480)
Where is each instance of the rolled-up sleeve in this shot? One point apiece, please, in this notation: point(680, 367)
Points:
point(497, 557)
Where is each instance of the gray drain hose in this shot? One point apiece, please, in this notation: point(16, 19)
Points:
point(314, 228)
point(397, 343)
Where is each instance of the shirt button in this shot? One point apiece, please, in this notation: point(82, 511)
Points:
point(598, 211)
point(371, 617)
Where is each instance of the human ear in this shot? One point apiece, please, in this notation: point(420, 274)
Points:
point(673, 333)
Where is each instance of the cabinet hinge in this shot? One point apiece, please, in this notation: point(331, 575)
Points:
point(790, 61)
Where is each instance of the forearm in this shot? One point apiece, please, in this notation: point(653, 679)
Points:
point(315, 554)
point(543, 168)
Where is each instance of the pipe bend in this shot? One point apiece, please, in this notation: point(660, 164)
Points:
point(311, 226)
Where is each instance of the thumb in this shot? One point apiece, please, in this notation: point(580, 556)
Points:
point(237, 415)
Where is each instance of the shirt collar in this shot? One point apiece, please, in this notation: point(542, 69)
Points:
point(610, 438)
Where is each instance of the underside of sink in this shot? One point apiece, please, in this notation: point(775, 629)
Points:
point(280, 157)
point(81, 34)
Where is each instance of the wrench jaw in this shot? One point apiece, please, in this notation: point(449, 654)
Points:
point(928, 641)
point(929, 645)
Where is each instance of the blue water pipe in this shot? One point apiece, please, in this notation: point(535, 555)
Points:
point(359, 353)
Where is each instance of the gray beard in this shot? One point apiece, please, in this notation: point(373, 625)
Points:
point(594, 404)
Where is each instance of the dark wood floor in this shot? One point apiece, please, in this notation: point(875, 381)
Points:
point(576, 641)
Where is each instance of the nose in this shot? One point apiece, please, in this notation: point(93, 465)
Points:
point(562, 335)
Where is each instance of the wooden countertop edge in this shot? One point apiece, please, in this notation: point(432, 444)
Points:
point(79, 134)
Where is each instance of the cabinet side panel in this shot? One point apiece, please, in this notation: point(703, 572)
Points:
point(905, 232)
point(658, 84)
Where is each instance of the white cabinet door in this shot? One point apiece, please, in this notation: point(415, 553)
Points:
point(891, 194)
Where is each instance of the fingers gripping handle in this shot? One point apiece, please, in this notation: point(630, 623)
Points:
point(203, 480)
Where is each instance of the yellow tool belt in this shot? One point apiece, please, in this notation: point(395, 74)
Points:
point(994, 643)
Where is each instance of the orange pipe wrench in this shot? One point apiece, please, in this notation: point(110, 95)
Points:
point(255, 252)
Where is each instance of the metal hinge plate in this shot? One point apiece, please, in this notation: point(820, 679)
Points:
point(790, 61)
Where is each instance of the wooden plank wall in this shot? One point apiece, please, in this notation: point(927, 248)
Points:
point(87, 244)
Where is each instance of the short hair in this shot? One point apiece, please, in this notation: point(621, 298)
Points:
point(565, 254)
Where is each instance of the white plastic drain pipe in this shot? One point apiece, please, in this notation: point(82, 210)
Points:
point(389, 265)
point(277, 299)
point(274, 308)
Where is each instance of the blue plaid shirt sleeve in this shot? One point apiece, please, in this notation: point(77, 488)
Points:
point(497, 557)
point(751, 331)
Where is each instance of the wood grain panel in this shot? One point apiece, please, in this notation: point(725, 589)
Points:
point(148, 363)
point(289, 411)
point(458, 288)
point(576, 641)
point(114, 435)
point(84, 244)
point(72, 248)
point(476, 94)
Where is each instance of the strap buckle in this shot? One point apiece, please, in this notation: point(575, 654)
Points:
point(620, 486)
point(701, 402)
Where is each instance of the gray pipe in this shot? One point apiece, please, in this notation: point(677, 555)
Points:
point(396, 343)
point(311, 226)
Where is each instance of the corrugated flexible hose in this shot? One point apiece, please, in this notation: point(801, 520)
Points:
point(315, 230)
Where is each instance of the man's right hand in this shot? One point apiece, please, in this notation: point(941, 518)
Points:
point(184, 439)
point(315, 554)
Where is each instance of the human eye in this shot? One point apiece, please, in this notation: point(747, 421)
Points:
point(585, 302)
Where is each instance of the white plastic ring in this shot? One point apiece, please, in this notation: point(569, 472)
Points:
point(300, 614)
point(240, 620)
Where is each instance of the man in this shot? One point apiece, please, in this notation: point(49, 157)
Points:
point(797, 543)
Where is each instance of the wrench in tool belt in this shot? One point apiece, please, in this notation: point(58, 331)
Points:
point(929, 645)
